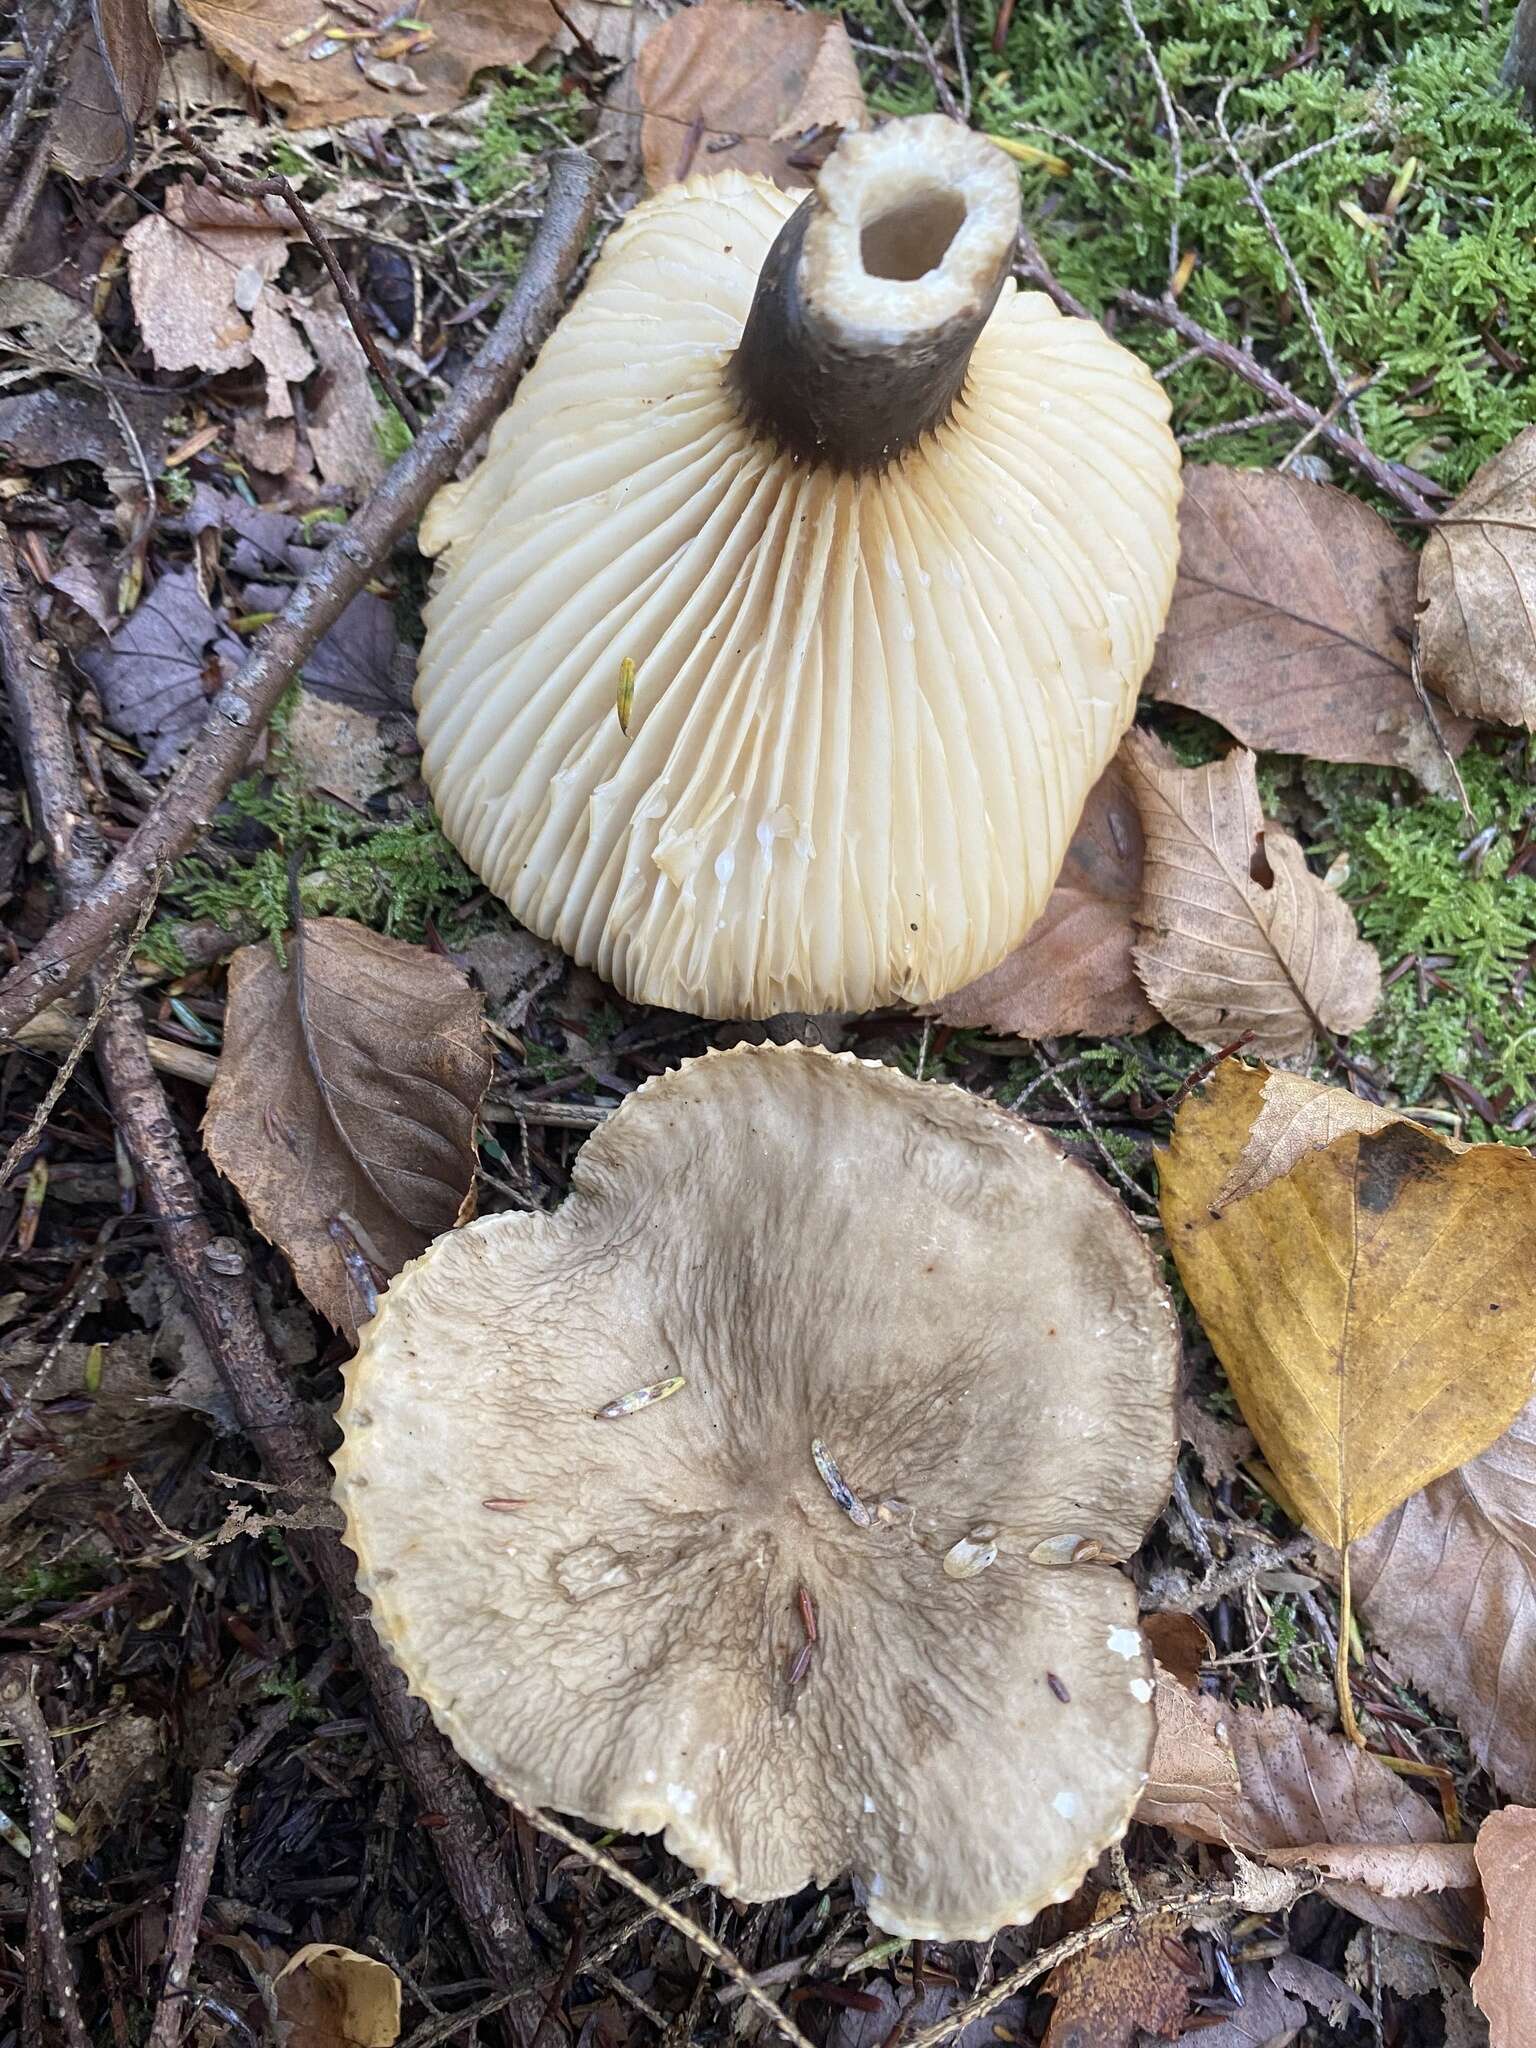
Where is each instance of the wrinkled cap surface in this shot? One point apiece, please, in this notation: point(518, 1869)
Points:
point(822, 1249)
point(866, 711)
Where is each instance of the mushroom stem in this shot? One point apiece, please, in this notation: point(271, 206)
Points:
point(874, 293)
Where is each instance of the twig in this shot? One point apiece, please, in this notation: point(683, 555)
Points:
point(212, 1794)
point(930, 59)
point(65, 955)
point(1316, 149)
point(1369, 464)
point(25, 90)
point(1298, 283)
point(20, 1710)
point(278, 187)
point(19, 213)
point(962, 64)
point(1175, 138)
point(223, 1304)
point(1469, 816)
point(1176, 1593)
point(1034, 270)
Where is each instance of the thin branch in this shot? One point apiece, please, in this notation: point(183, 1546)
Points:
point(65, 955)
point(962, 63)
point(18, 213)
point(1298, 283)
point(37, 70)
point(278, 187)
point(930, 59)
point(19, 1709)
point(1175, 138)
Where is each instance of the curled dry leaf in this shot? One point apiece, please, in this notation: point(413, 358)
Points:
point(348, 1088)
point(1504, 1983)
point(1179, 1645)
point(1292, 624)
point(263, 41)
point(1129, 1982)
point(111, 86)
point(1275, 1786)
point(1074, 971)
point(1447, 1589)
point(1477, 592)
point(1267, 2018)
point(734, 84)
point(161, 666)
point(332, 1997)
point(1321, 1989)
point(1237, 934)
point(1298, 1116)
point(1374, 1308)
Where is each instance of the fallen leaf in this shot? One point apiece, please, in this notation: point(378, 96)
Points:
point(733, 84)
point(1106, 1995)
point(348, 1087)
point(335, 749)
point(1179, 1645)
point(1074, 971)
point(1504, 1982)
point(1477, 592)
point(1321, 1989)
point(361, 662)
point(1373, 1308)
point(110, 88)
point(1392, 1870)
point(1292, 624)
point(1267, 2017)
point(853, 2027)
point(1302, 1796)
point(332, 1997)
point(47, 427)
point(52, 330)
point(1298, 1116)
point(1396, 1962)
point(469, 36)
point(161, 666)
point(1237, 934)
point(185, 268)
point(1447, 1588)
point(343, 420)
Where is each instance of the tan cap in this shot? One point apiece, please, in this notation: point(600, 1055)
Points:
point(928, 1374)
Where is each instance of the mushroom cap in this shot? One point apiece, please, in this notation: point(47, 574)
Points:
point(867, 709)
point(822, 1249)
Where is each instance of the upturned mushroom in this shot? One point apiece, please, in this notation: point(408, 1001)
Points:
point(770, 1493)
point(803, 594)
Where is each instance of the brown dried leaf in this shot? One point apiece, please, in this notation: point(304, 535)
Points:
point(1393, 1870)
point(1180, 1646)
point(733, 84)
point(1447, 1589)
point(1374, 1309)
point(1504, 1983)
point(332, 1997)
point(111, 87)
point(1299, 1789)
point(1321, 1989)
point(1267, 2017)
point(469, 36)
point(1299, 1116)
point(1292, 624)
point(1107, 1994)
point(342, 421)
point(1237, 933)
point(1477, 592)
point(348, 1087)
point(1074, 971)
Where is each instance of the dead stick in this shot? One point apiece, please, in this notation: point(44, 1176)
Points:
point(224, 1307)
point(37, 70)
point(18, 214)
point(19, 1708)
point(213, 1793)
point(65, 955)
point(278, 187)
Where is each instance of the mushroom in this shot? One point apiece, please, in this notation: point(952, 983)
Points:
point(803, 594)
point(834, 1599)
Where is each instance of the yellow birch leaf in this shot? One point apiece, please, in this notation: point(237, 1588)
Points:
point(1374, 1306)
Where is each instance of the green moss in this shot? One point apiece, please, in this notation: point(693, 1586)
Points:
point(1423, 895)
point(1409, 297)
point(390, 432)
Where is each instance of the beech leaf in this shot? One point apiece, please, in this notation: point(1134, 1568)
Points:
point(1447, 1588)
point(110, 88)
point(1073, 971)
point(1374, 1308)
point(1292, 624)
point(1298, 1116)
point(332, 1997)
point(1106, 1995)
point(735, 85)
point(1274, 1785)
point(1236, 933)
point(1504, 1983)
point(1477, 592)
point(348, 1089)
point(263, 41)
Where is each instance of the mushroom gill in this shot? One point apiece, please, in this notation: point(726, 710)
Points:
point(885, 545)
point(768, 1494)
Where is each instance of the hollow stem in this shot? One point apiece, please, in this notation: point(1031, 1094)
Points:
point(873, 295)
